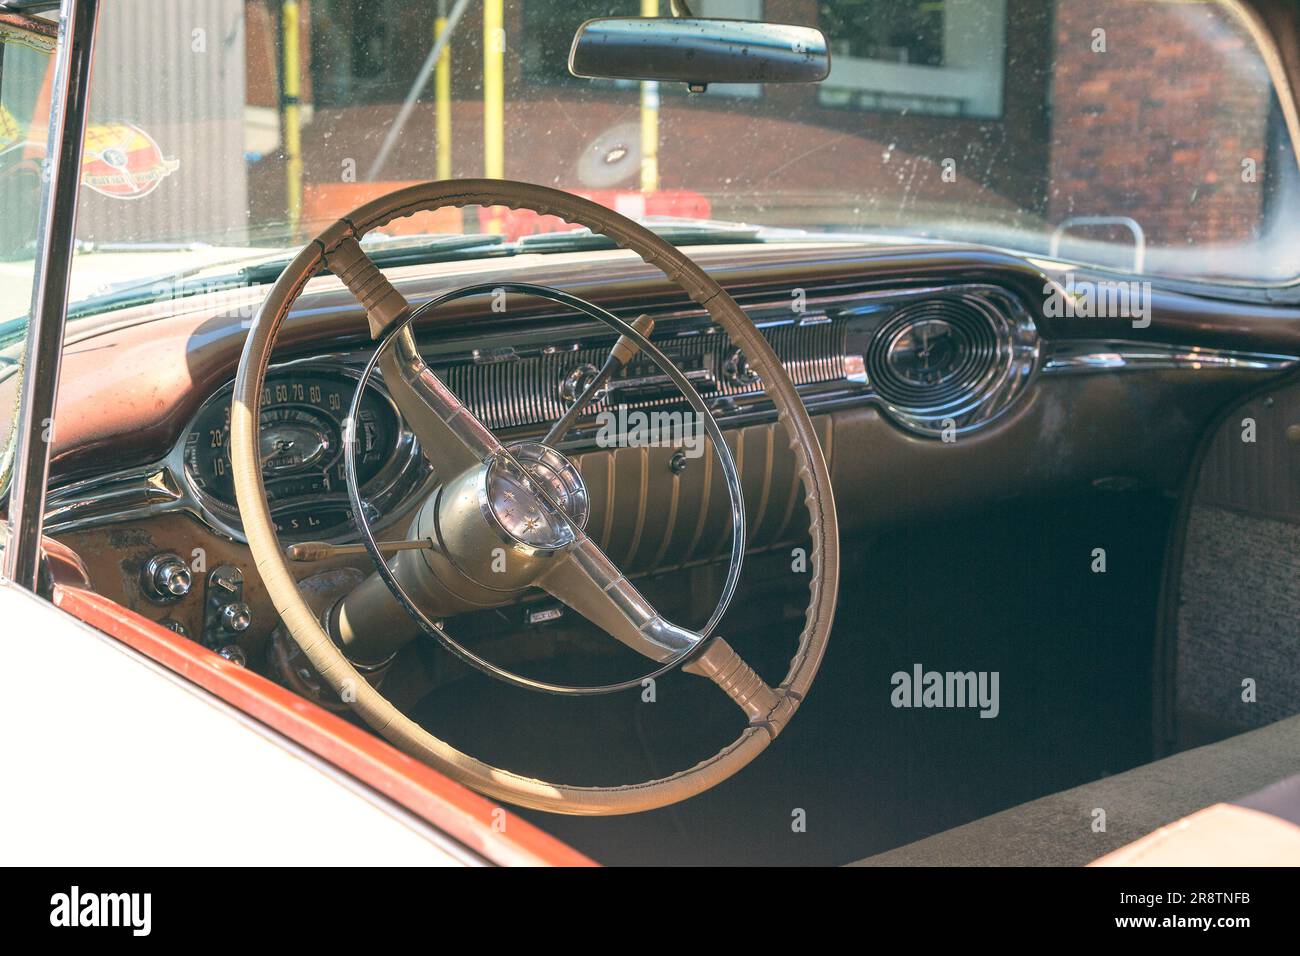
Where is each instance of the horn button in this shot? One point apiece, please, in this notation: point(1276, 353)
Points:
point(514, 502)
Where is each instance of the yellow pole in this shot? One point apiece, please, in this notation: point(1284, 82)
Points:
point(442, 99)
point(493, 98)
point(292, 119)
point(649, 119)
point(493, 90)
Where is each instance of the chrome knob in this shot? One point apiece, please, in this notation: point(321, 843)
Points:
point(167, 578)
point(576, 381)
point(236, 617)
point(235, 654)
point(737, 371)
point(174, 581)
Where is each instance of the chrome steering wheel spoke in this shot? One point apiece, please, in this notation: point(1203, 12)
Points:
point(585, 579)
point(590, 583)
point(438, 418)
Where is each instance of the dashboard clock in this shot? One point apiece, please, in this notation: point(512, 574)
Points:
point(925, 353)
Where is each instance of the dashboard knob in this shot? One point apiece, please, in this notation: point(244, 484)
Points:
point(737, 371)
point(575, 382)
point(235, 654)
point(167, 578)
point(236, 617)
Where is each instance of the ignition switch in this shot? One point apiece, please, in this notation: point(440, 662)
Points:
point(225, 613)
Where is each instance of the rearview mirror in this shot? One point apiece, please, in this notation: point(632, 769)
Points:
point(698, 52)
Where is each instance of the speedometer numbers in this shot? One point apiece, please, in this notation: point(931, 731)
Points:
point(301, 449)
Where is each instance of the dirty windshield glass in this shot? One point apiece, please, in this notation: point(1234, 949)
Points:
point(1141, 136)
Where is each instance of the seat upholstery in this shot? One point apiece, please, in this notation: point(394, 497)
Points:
point(1057, 830)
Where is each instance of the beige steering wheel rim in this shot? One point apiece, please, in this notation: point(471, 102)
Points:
point(769, 708)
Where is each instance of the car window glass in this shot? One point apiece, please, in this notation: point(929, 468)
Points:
point(25, 65)
point(1138, 135)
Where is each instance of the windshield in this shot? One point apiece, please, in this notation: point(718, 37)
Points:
point(1139, 136)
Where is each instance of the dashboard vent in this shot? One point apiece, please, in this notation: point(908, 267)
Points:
point(935, 353)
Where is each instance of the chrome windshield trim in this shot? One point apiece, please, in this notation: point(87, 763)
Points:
point(69, 105)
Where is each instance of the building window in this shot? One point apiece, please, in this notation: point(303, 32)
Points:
point(547, 31)
point(940, 57)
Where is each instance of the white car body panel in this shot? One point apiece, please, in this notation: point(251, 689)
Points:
point(112, 760)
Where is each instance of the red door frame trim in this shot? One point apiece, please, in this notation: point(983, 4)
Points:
point(448, 805)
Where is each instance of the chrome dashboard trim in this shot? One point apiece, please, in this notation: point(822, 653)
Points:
point(997, 388)
point(119, 496)
point(816, 368)
point(163, 487)
point(1078, 356)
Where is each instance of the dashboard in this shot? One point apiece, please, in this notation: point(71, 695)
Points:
point(938, 362)
point(934, 377)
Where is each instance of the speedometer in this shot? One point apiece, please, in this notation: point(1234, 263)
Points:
point(301, 448)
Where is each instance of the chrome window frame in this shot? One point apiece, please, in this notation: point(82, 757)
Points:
point(56, 234)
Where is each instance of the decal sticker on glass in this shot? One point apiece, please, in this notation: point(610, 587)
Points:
point(122, 161)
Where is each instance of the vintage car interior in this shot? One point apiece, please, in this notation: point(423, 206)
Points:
point(556, 411)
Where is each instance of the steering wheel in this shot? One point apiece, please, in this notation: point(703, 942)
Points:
point(465, 524)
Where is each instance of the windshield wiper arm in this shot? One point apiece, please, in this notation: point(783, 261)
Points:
point(684, 232)
point(132, 292)
point(388, 251)
point(122, 291)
